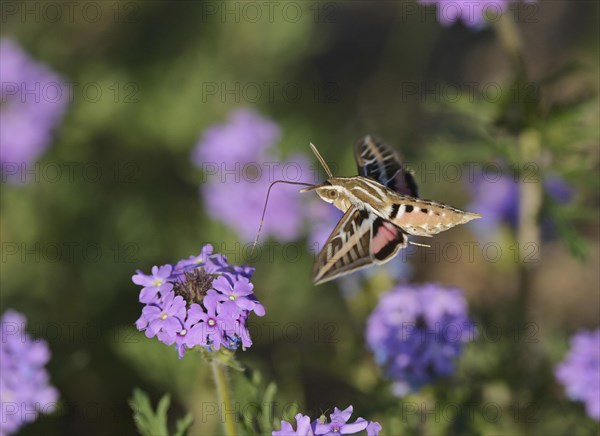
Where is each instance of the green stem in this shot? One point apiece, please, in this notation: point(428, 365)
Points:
point(530, 203)
point(224, 396)
point(529, 150)
point(511, 42)
point(519, 117)
point(530, 194)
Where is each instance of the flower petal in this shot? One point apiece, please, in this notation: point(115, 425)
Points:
point(355, 427)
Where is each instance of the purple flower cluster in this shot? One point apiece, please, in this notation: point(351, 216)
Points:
point(471, 13)
point(338, 425)
point(33, 103)
point(24, 382)
point(497, 199)
point(416, 332)
point(580, 371)
point(202, 301)
point(240, 156)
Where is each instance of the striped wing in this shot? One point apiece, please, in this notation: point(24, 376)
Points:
point(358, 240)
point(377, 160)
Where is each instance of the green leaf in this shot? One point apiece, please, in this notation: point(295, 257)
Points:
point(268, 405)
point(146, 421)
point(153, 423)
point(160, 366)
point(183, 424)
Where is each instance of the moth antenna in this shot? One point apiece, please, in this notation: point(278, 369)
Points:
point(262, 218)
point(419, 245)
point(323, 163)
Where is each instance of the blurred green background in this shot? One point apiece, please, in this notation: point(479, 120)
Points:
point(361, 67)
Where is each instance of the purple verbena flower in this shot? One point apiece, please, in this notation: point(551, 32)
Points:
point(189, 335)
point(202, 301)
point(154, 284)
point(24, 382)
point(204, 258)
point(303, 427)
point(33, 103)
point(337, 425)
point(235, 293)
point(579, 372)
point(373, 428)
point(217, 323)
point(164, 316)
point(240, 156)
point(416, 333)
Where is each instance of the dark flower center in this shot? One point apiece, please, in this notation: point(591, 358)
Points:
point(195, 286)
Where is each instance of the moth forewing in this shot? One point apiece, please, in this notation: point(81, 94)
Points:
point(359, 240)
point(347, 249)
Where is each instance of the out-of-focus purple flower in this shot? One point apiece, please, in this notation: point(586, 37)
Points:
point(579, 372)
point(201, 301)
point(471, 13)
point(245, 137)
point(497, 199)
point(34, 100)
point(559, 190)
point(24, 382)
point(240, 158)
point(337, 425)
point(416, 333)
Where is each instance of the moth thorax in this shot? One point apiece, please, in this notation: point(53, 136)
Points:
point(195, 286)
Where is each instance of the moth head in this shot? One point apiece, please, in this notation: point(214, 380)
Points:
point(328, 192)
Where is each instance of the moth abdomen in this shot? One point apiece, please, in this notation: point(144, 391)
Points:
point(425, 218)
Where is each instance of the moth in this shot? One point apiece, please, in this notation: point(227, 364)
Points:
point(381, 210)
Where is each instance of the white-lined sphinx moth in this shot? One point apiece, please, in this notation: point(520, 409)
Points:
point(381, 209)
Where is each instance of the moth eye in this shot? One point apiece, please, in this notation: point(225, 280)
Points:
point(332, 193)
